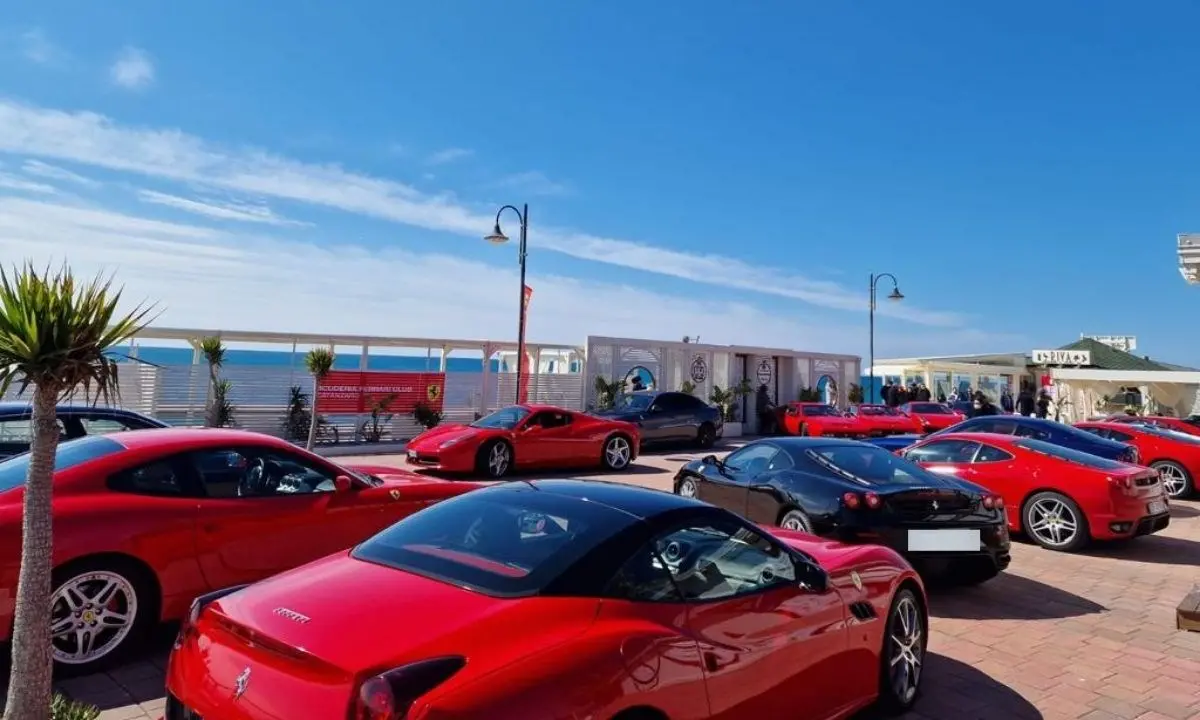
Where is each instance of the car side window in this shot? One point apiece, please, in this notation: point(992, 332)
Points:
point(1118, 435)
point(1030, 431)
point(159, 478)
point(20, 431)
point(103, 426)
point(944, 451)
point(752, 459)
point(987, 454)
point(668, 402)
point(549, 420)
point(644, 578)
point(256, 473)
point(999, 427)
point(721, 559)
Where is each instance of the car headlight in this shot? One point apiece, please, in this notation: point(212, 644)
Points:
point(448, 443)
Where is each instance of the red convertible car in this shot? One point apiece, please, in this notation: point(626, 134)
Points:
point(561, 600)
point(931, 417)
point(1175, 455)
point(146, 520)
point(525, 437)
point(881, 420)
point(1168, 423)
point(818, 420)
point(1062, 499)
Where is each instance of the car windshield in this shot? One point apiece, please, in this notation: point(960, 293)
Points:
point(870, 465)
point(1068, 455)
point(877, 410)
point(71, 453)
point(1168, 433)
point(503, 419)
point(634, 402)
point(820, 410)
point(508, 541)
point(929, 409)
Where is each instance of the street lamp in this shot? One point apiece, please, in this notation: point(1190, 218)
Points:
point(498, 237)
point(894, 296)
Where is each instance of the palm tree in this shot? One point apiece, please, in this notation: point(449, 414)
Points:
point(213, 351)
point(319, 362)
point(56, 335)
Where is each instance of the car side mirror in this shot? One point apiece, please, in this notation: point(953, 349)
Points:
point(342, 483)
point(811, 576)
point(532, 427)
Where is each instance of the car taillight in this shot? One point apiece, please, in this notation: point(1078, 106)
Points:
point(854, 501)
point(390, 695)
point(188, 626)
point(851, 500)
point(993, 502)
point(1123, 483)
point(873, 501)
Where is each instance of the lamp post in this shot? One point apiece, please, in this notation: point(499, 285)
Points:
point(498, 237)
point(894, 296)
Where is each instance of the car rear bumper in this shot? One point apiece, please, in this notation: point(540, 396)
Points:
point(1119, 528)
point(993, 551)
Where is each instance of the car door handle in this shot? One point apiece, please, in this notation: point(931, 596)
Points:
point(711, 663)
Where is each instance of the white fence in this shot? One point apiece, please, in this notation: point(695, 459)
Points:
point(177, 394)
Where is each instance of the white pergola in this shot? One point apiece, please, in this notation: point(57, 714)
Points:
point(1084, 389)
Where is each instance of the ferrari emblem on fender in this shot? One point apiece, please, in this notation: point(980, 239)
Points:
point(432, 392)
point(934, 505)
point(395, 494)
point(857, 580)
point(241, 683)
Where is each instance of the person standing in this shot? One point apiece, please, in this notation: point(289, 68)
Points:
point(766, 411)
point(1025, 402)
point(885, 393)
point(923, 393)
point(1006, 401)
point(893, 395)
point(1043, 404)
point(983, 405)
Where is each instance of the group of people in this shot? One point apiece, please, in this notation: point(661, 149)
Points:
point(895, 395)
point(1026, 403)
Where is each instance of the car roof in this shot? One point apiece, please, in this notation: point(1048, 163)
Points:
point(998, 438)
point(635, 500)
point(537, 407)
point(795, 442)
point(16, 407)
point(198, 437)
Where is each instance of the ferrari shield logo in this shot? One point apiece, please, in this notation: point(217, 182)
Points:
point(433, 391)
point(857, 580)
point(395, 494)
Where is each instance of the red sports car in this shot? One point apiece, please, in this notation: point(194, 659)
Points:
point(1061, 498)
point(880, 420)
point(930, 416)
point(146, 520)
point(1175, 455)
point(560, 600)
point(525, 437)
point(1169, 423)
point(818, 420)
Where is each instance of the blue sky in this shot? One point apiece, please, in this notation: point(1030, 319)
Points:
point(314, 166)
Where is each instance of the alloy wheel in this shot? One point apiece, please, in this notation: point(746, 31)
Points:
point(617, 453)
point(1173, 480)
point(90, 616)
point(794, 522)
point(498, 460)
point(1053, 522)
point(906, 637)
point(688, 488)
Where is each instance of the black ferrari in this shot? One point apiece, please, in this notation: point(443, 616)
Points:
point(949, 529)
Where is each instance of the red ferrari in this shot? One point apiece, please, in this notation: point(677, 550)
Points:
point(818, 420)
point(146, 520)
point(525, 437)
point(930, 416)
point(561, 600)
point(1061, 498)
point(1175, 455)
point(1168, 423)
point(880, 420)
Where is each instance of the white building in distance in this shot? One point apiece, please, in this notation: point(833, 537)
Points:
point(1189, 257)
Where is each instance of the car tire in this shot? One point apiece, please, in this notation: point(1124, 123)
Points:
point(488, 462)
point(1068, 530)
point(617, 453)
point(706, 436)
point(1179, 478)
point(906, 635)
point(100, 590)
point(796, 519)
point(688, 487)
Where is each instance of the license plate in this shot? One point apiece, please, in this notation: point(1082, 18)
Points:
point(412, 455)
point(1156, 507)
point(947, 540)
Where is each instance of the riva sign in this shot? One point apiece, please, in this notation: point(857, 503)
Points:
point(1062, 357)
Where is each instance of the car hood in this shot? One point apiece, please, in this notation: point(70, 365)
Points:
point(359, 616)
point(831, 420)
point(434, 438)
point(394, 475)
point(896, 420)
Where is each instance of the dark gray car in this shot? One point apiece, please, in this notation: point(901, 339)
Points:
point(668, 417)
point(76, 421)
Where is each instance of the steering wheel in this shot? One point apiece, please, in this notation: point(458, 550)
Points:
point(253, 480)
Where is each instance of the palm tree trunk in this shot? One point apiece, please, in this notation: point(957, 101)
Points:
point(29, 687)
point(312, 424)
point(210, 407)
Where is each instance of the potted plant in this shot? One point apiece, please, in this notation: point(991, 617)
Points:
point(729, 401)
point(426, 416)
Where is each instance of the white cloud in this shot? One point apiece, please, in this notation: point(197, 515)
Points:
point(12, 182)
point(205, 278)
point(54, 172)
point(38, 48)
point(533, 183)
point(449, 155)
point(92, 139)
point(132, 69)
point(216, 209)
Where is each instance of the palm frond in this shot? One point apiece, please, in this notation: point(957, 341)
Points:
point(58, 333)
point(213, 351)
point(319, 362)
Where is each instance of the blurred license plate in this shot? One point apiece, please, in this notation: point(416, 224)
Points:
point(1156, 507)
point(948, 540)
point(412, 455)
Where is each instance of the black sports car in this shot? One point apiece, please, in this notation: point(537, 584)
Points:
point(853, 491)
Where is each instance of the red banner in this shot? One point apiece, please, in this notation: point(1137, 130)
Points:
point(350, 392)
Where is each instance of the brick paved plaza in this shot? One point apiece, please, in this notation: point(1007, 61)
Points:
point(1057, 636)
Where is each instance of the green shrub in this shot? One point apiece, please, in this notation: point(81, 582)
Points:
point(64, 708)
